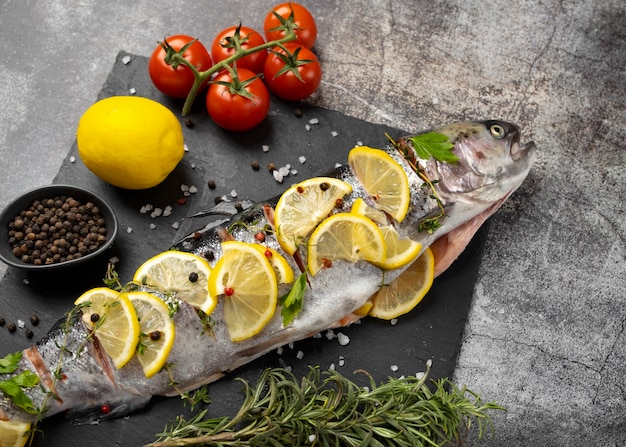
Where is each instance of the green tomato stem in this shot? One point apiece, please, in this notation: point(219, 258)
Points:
point(200, 77)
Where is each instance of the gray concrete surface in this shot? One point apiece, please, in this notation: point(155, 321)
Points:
point(546, 336)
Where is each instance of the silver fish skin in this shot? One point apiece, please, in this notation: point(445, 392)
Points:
point(492, 164)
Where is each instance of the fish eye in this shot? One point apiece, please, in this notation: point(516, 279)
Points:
point(497, 131)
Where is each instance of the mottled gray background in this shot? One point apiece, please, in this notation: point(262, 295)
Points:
point(546, 332)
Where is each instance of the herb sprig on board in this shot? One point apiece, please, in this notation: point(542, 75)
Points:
point(330, 409)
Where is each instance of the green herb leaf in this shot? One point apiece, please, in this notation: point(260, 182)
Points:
point(292, 302)
point(434, 144)
point(13, 388)
point(9, 363)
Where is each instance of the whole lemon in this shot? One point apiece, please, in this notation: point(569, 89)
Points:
point(129, 141)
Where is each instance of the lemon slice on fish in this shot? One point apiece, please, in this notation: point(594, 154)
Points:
point(113, 320)
point(346, 236)
point(406, 291)
point(303, 206)
point(157, 331)
point(284, 272)
point(14, 434)
point(383, 178)
point(400, 252)
point(247, 282)
point(360, 207)
point(183, 274)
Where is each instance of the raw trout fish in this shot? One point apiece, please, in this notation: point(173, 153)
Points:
point(492, 163)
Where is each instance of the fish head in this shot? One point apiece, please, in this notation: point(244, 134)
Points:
point(492, 162)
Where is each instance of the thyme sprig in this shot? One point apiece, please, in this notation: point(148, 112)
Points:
point(330, 409)
point(424, 146)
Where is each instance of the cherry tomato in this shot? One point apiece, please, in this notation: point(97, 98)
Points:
point(224, 46)
point(177, 82)
point(306, 29)
point(281, 68)
point(228, 106)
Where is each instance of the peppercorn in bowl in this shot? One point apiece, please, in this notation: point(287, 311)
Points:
point(55, 227)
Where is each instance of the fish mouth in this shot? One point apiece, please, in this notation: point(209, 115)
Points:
point(519, 150)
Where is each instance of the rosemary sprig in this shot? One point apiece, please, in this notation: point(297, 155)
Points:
point(330, 409)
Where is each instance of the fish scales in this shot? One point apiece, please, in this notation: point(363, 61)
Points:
point(492, 164)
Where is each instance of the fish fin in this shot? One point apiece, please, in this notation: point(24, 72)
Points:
point(224, 209)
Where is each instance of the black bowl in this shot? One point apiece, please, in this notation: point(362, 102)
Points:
point(46, 192)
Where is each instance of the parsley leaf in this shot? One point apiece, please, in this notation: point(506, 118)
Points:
point(434, 144)
point(292, 301)
point(9, 363)
point(13, 388)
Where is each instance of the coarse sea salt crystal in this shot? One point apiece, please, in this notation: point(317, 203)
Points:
point(343, 339)
point(126, 60)
point(72, 159)
point(284, 171)
point(265, 148)
point(318, 335)
point(20, 324)
point(277, 176)
point(314, 121)
point(307, 127)
point(175, 225)
point(334, 133)
point(129, 230)
point(342, 361)
point(312, 438)
point(300, 355)
point(330, 334)
point(167, 211)
point(132, 91)
point(337, 165)
point(233, 193)
point(156, 213)
point(184, 187)
point(279, 350)
point(420, 375)
point(152, 226)
point(185, 147)
point(394, 368)
point(301, 159)
point(331, 367)
point(293, 172)
point(429, 363)
point(193, 189)
point(393, 321)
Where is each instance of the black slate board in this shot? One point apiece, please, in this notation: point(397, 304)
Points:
point(432, 331)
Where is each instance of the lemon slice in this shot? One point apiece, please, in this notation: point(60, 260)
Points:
point(113, 319)
point(184, 274)
point(303, 206)
point(284, 272)
point(247, 280)
point(360, 207)
point(14, 434)
point(383, 178)
point(346, 236)
point(406, 291)
point(157, 331)
point(400, 252)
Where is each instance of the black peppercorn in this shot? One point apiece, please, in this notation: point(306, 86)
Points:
point(34, 320)
point(193, 277)
point(29, 333)
point(94, 318)
point(11, 327)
